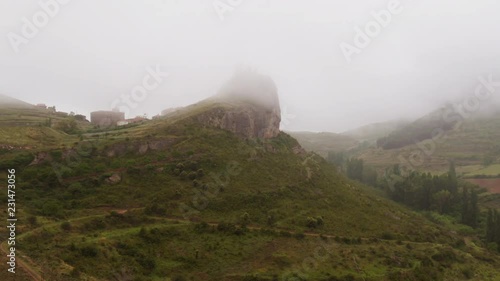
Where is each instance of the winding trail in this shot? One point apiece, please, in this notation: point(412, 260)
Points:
point(25, 265)
point(30, 267)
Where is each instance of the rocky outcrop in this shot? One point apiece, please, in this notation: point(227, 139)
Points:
point(114, 179)
point(249, 107)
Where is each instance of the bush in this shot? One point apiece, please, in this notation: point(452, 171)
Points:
point(468, 272)
point(311, 222)
point(89, 251)
point(20, 160)
point(52, 209)
point(179, 278)
point(299, 236)
point(192, 165)
point(200, 173)
point(387, 236)
point(226, 227)
point(33, 220)
point(66, 226)
point(192, 175)
point(196, 183)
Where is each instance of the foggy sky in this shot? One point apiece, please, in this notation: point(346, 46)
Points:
point(92, 52)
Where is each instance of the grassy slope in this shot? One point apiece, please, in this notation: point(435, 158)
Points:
point(278, 190)
point(372, 132)
point(26, 127)
point(468, 146)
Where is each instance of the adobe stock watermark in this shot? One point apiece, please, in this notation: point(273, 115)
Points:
point(222, 7)
point(363, 37)
point(31, 27)
point(151, 81)
point(454, 115)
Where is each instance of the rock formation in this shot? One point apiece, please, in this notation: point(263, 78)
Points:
point(249, 107)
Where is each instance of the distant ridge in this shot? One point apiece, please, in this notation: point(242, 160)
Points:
point(374, 131)
point(6, 101)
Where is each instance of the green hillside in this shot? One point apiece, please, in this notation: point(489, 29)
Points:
point(473, 144)
point(171, 199)
point(324, 142)
point(372, 132)
point(25, 126)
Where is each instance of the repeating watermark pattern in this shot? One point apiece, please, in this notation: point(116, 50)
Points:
point(222, 7)
point(73, 158)
point(454, 115)
point(11, 220)
point(31, 27)
point(363, 37)
point(201, 198)
point(151, 81)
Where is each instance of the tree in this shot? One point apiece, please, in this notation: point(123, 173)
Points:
point(369, 176)
point(442, 200)
point(474, 210)
point(452, 178)
point(337, 158)
point(68, 126)
point(490, 227)
point(355, 169)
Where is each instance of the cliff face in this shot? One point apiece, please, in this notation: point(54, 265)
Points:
point(249, 107)
point(247, 121)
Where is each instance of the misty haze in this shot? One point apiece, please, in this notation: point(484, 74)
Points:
point(250, 140)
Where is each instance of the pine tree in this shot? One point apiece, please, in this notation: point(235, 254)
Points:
point(452, 179)
point(490, 233)
point(465, 206)
point(474, 209)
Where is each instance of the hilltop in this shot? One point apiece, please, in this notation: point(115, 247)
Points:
point(6, 101)
point(184, 198)
point(471, 143)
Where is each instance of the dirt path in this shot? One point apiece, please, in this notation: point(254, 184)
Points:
point(24, 264)
point(30, 268)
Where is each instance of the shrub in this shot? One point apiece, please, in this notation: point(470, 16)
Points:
point(200, 173)
point(66, 226)
point(179, 278)
point(52, 209)
point(192, 175)
point(311, 222)
point(387, 236)
point(192, 165)
point(226, 227)
point(299, 236)
point(89, 251)
point(196, 183)
point(33, 220)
